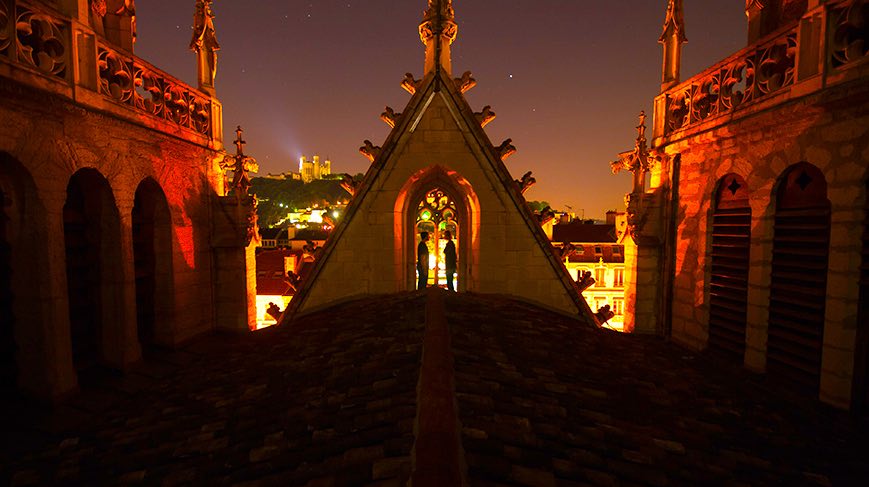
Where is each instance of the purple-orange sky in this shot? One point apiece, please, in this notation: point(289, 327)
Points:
point(566, 78)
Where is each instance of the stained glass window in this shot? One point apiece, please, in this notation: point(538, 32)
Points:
point(436, 214)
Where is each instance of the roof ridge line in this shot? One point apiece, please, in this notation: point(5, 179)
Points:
point(437, 449)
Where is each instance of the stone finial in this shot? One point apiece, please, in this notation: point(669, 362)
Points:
point(672, 37)
point(409, 83)
point(636, 160)
point(437, 31)
point(466, 82)
point(370, 150)
point(204, 44)
point(506, 149)
point(390, 117)
point(128, 8)
point(525, 182)
point(241, 165)
point(485, 115)
point(758, 14)
point(349, 184)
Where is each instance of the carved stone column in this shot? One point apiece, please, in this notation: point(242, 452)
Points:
point(642, 238)
point(234, 246)
point(234, 243)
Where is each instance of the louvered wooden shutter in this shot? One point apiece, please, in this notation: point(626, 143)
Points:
point(801, 245)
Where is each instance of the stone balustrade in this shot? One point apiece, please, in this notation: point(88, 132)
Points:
point(811, 54)
point(44, 48)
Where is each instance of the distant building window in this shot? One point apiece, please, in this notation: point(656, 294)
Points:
point(618, 306)
point(617, 250)
point(600, 278)
point(598, 304)
point(578, 249)
point(598, 250)
point(618, 277)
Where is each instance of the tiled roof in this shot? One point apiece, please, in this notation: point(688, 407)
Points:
point(270, 277)
point(333, 399)
point(332, 402)
point(580, 232)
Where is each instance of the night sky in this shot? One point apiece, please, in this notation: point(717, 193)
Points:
point(566, 78)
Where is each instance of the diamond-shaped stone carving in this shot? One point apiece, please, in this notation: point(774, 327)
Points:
point(803, 180)
point(733, 186)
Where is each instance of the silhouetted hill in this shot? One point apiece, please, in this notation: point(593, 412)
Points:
point(293, 194)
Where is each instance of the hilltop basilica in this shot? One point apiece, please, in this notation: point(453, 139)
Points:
point(127, 239)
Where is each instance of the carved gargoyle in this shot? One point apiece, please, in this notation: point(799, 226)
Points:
point(349, 184)
point(390, 117)
point(525, 182)
point(409, 83)
point(636, 215)
point(506, 149)
point(485, 116)
point(370, 150)
point(293, 280)
point(466, 82)
point(274, 311)
point(545, 215)
point(585, 281)
point(251, 231)
point(565, 250)
point(604, 314)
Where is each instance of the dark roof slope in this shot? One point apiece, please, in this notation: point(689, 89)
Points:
point(580, 232)
point(332, 400)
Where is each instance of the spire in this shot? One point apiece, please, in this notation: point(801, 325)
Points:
point(672, 37)
point(437, 31)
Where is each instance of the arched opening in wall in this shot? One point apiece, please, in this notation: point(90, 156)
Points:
point(91, 230)
point(801, 243)
point(23, 280)
point(8, 349)
point(152, 257)
point(437, 200)
point(728, 263)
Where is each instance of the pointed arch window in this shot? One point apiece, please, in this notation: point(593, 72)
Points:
point(729, 263)
point(437, 214)
point(801, 242)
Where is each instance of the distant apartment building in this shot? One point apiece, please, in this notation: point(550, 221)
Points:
point(595, 248)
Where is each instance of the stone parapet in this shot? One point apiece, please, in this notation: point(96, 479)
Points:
point(53, 52)
point(819, 51)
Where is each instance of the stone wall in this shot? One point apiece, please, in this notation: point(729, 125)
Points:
point(46, 139)
point(830, 130)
